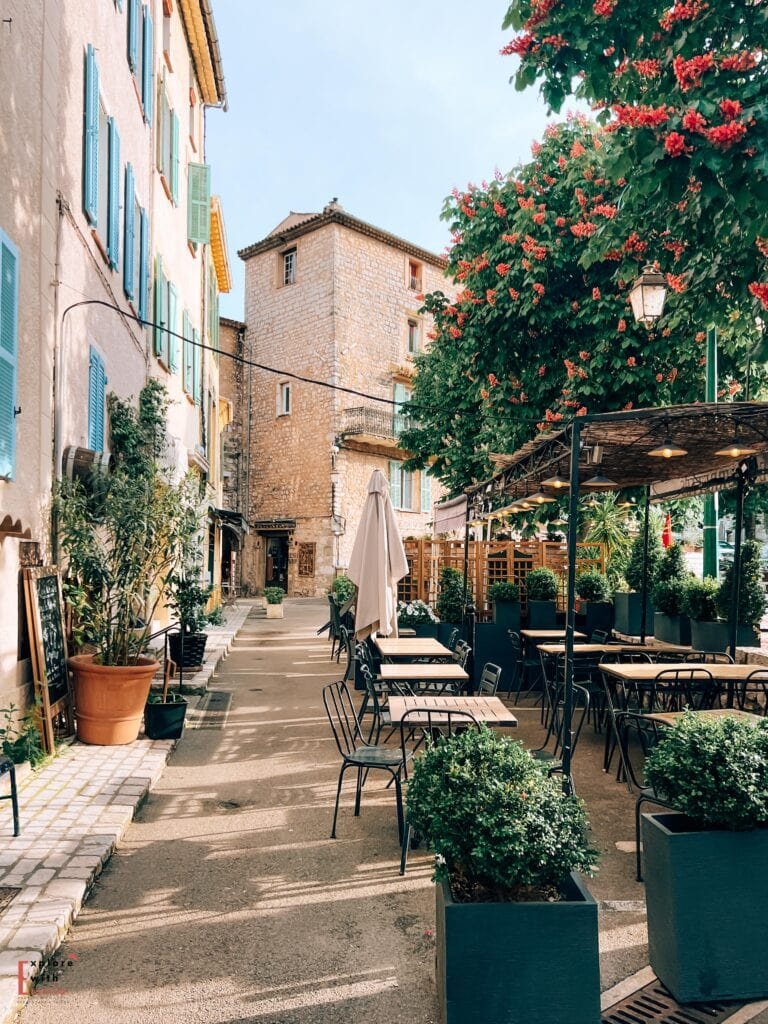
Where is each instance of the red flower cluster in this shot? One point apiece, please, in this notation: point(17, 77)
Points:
point(631, 361)
point(682, 11)
point(648, 68)
point(583, 229)
point(678, 248)
point(674, 143)
point(677, 282)
point(604, 8)
point(542, 371)
point(558, 41)
point(493, 380)
point(511, 239)
point(621, 326)
point(726, 135)
point(693, 121)
point(539, 288)
point(690, 72)
point(641, 116)
point(760, 291)
point(635, 244)
point(525, 204)
point(540, 217)
point(499, 210)
point(596, 294)
point(560, 222)
point(762, 246)
point(502, 269)
point(744, 61)
point(577, 149)
point(730, 109)
point(520, 45)
point(539, 12)
point(530, 245)
point(584, 356)
point(604, 210)
point(490, 296)
point(514, 295)
point(454, 332)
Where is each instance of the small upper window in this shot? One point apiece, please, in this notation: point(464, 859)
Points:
point(289, 267)
point(414, 275)
point(284, 400)
point(414, 336)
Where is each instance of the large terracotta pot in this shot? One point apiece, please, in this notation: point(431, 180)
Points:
point(110, 699)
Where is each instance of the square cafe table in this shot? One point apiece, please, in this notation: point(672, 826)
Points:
point(538, 636)
point(485, 709)
point(646, 673)
point(422, 672)
point(391, 648)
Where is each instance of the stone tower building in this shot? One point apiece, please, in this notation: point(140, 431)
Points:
point(332, 299)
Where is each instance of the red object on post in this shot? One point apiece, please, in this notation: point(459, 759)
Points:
point(666, 533)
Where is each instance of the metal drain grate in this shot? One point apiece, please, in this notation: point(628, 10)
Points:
point(652, 1004)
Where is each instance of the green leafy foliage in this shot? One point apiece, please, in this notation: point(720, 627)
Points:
point(541, 585)
point(752, 602)
point(274, 595)
point(670, 596)
point(593, 586)
point(634, 571)
point(496, 821)
point(450, 598)
point(503, 590)
point(701, 599)
point(714, 770)
point(342, 589)
point(21, 737)
point(186, 594)
point(607, 522)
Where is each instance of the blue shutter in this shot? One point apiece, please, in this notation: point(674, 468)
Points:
point(196, 367)
point(187, 356)
point(394, 483)
point(9, 310)
point(426, 492)
point(174, 168)
point(199, 203)
point(133, 34)
point(173, 341)
point(130, 234)
point(144, 266)
point(160, 313)
point(91, 139)
point(97, 381)
point(148, 67)
point(113, 205)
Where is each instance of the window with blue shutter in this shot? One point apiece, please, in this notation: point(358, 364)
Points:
point(9, 316)
point(113, 208)
point(148, 65)
point(426, 492)
point(133, 34)
point(173, 341)
point(129, 284)
point(187, 355)
point(199, 203)
point(174, 168)
point(144, 267)
point(402, 394)
point(197, 384)
point(160, 316)
point(97, 386)
point(394, 483)
point(91, 138)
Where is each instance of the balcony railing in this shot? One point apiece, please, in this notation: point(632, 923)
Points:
point(369, 421)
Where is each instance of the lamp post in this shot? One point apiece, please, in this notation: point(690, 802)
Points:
point(648, 295)
point(710, 565)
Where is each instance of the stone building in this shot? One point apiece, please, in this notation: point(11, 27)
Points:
point(329, 299)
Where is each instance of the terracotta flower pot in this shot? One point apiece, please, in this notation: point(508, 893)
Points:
point(110, 699)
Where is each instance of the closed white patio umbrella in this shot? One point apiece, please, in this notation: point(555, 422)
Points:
point(378, 562)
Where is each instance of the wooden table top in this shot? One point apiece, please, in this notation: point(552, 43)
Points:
point(485, 709)
point(548, 634)
point(579, 648)
point(422, 670)
point(637, 672)
point(670, 717)
point(411, 647)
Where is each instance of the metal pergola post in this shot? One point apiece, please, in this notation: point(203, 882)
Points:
point(736, 574)
point(570, 622)
point(644, 588)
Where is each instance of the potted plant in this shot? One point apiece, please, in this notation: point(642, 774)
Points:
point(164, 713)
point(505, 596)
point(708, 632)
point(629, 605)
point(595, 608)
point(516, 928)
point(704, 946)
point(541, 590)
point(752, 601)
point(670, 621)
point(274, 597)
point(450, 601)
point(187, 595)
point(418, 616)
point(121, 544)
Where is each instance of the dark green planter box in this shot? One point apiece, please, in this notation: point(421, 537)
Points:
point(628, 614)
point(594, 615)
point(707, 909)
point(444, 630)
point(672, 629)
point(507, 614)
point(164, 721)
point(492, 644)
point(426, 629)
point(715, 636)
point(518, 963)
point(541, 614)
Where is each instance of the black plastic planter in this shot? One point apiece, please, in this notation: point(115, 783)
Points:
point(715, 636)
point(628, 614)
point(672, 629)
point(507, 614)
point(427, 629)
point(541, 614)
point(707, 909)
point(595, 615)
point(194, 648)
point(165, 721)
point(518, 963)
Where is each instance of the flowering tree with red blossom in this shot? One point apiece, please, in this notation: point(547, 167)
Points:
point(536, 332)
point(684, 87)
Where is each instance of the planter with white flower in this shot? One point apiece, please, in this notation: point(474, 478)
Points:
point(418, 616)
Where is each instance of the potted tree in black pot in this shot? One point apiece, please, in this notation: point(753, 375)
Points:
point(516, 929)
point(595, 610)
point(752, 602)
point(703, 600)
point(541, 590)
point(505, 596)
point(188, 597)
point(670, 621)
point(629, 605)
point(707, 945)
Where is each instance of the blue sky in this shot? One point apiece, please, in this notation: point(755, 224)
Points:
point(385, 105)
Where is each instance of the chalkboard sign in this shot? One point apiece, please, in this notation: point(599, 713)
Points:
point(45, 618)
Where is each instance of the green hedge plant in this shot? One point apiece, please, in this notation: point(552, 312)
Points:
point(634, 571)
point(593, 586)
point(701, 599)
point(342, 589)
point(669, 591)
point(752, 601)
point(503, 590)
point(500, 827)
point(542, 585)
point(450, 598)
point(714, 770)
point(274, 595)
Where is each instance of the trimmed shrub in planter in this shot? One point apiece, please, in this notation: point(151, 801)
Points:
point(542, 587)
point(506, 604)
point(596, 609)
point(516, 931)
point(752, 602)
point(715, 773)
point(450, 598)
point(671, 622)
point(274, 597)
point(708, 633)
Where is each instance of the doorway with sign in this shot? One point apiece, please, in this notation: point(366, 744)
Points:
point(276, 570)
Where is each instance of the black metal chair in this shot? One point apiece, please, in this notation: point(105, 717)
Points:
point(599, 636)
point(334, 630)
point(678, 688)
point(436, 726)
point(556, 727)
point(618, 696)
point(7, 767)
point(709, 657)
point(356, 753)
point(516, 667)
point(529, 671)
point(347, 643)
point(453, 639)
point(489, 681)
point(752, 693)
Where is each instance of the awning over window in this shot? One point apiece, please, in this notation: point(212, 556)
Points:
point(231, 520)
point(451, 515)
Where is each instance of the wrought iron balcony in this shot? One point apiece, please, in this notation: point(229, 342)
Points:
point(369, 421)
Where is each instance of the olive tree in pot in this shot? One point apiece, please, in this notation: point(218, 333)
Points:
point(707, 928)
point(752, 602)
point(506, 604)
point(516, 928)
point(595, 608)
point(670, 621)
point(121, 543)
point(274, 596)
point(541, 590)
point(187, 595)
point(629, 606)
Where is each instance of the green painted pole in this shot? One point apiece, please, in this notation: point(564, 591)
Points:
point(710, 500)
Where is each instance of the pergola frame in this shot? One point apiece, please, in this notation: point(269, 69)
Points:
point(617, 445)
